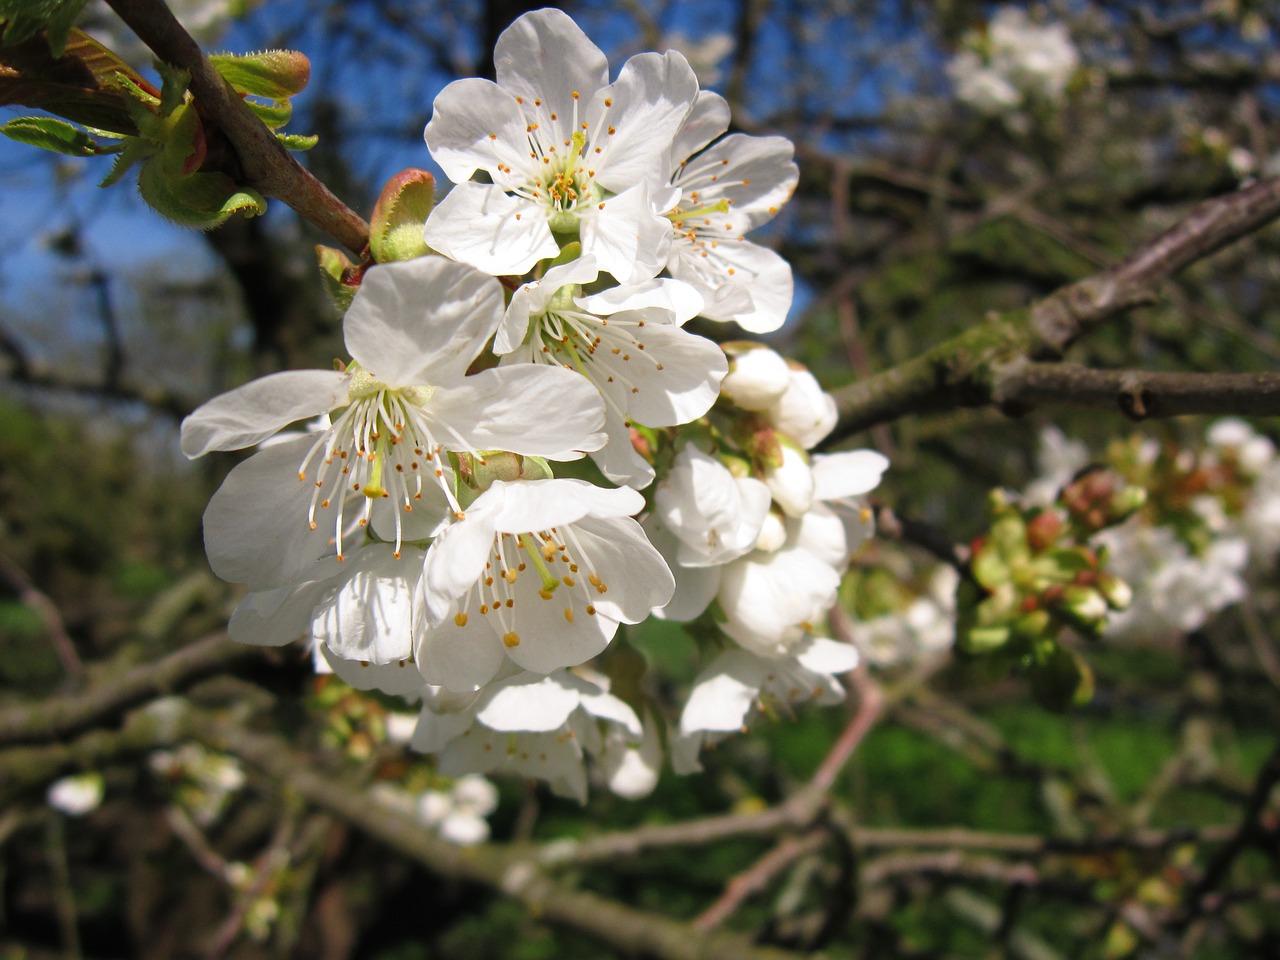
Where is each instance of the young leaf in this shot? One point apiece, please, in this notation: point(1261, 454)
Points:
point(48, 133)
point(274, 74)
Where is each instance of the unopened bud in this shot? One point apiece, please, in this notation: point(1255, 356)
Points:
point(757, 377)
point(395, 230)
point(773, 533)
point(791, 482)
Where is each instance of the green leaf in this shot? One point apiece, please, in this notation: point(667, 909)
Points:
point(296, 141)
point(134, 151)
point(274, 74)
point(25, 19)
point(1060, 679)
point(48, 133)
point(201, 200)
point(274, 114)
point(81, 86)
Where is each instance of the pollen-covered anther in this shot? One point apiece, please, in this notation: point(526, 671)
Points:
point(511, 638)
point(599, 584)
point(460, 619)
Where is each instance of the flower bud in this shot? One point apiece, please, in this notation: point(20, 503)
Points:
point(757, 377)
point(791, 482)
point(395, 229)
point(773, 533)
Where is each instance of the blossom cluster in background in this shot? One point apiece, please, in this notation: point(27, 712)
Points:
point(1013, 64)
point(527, 448)
point(1211, 519)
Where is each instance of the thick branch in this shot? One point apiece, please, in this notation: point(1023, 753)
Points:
point(960, 371)
point(507, 871)
point(267, 165)
point(1137, 394)
point(109, 697)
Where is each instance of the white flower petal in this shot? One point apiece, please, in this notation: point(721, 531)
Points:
point(626, 237)
point(479, 224)
point(723, 694)
point(707, 120)
point(827, 656)
point(421, 321)
point(545, 55)
point(532, 705)
point(848, 474)
point(372, 614)
point(255, 527)
point(476, 125)
point(252, 412)
point(531, 410)
point(459, 658)
point(650, 100)
point(741, 281)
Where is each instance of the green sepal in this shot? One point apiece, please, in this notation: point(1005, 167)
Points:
point(274, 114)
point(57, 136)
point(297, 142)
point(133, 151)
point(395, 229)
point(173, 90)
point(335, 268)
point(201, 200)
point(568, 253)
point(26, 19)
point(273, 74)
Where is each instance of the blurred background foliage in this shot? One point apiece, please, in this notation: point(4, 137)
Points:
point(916, 216)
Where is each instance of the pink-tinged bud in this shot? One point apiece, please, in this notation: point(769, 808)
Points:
point(757, 377)
point(395, 230)
point(274, 74)
point(1043, 530)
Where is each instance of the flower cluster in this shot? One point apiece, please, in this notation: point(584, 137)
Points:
point(417, 532)
point(1209, 518)
point(1013, 63)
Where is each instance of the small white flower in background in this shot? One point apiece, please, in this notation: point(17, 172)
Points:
point(568, 153)
point(704, 55)
point(526, 726)
point(738, 682)
point(1174, 591)
point(925, 626)
point(628, 342)
point(1015, 62)
point(1058, 461)
point(727, 189)
point(541, 572)
point(459, 813)
point(75, 796)
point(412, 329)
point(204, 781)
point(1251, 450)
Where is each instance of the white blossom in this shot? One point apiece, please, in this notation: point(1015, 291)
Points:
point(568, 153)
point(726, 190)
point(526, 726)
point(412, 329)
point(738, 683)
point(629, 342)
point(540, 572)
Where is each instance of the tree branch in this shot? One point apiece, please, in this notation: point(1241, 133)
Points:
point(960, 371)
point(110, 696)
point(1138, 394)
point(503, 870)
point(267, 165)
